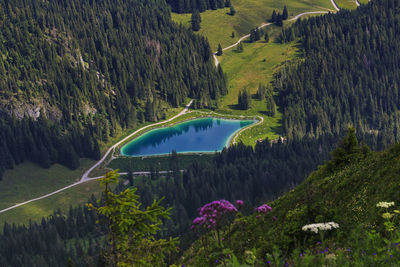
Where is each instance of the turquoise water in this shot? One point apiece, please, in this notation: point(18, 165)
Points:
point(199, 135)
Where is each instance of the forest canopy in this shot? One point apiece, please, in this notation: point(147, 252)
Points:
point(75, 69)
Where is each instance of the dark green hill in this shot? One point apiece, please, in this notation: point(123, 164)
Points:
point(344, 190)
point(75, 71)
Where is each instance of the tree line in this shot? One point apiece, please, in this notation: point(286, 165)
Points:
point(188, 6)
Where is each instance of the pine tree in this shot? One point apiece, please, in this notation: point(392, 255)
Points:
point(279, 21)
point(219, 50)
point(196, 20)
point(261, 92)
point(271, 106)
point(273, 17)
point(201, 5)
point(228, 3)
point(244, 99)
point(232, 11)
point(132, 230)
point(257, 34)
point(266, 37)
point(285, 14)
point(240, 47)
point(252, 36)
point(233, 35)
point(96, 150)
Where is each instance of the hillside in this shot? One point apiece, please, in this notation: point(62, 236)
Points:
point(345, 190)
point(76, 72)
point(349, 75)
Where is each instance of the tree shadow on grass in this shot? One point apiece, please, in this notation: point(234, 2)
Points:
point(234, 107)
point(264, 112)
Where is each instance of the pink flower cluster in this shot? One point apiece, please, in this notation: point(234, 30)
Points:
point(239, 202)
point(264, 208)
point(212, 212)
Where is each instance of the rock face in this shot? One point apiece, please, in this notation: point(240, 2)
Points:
point(32, 108)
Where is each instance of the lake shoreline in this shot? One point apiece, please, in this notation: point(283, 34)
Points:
point(200, 121)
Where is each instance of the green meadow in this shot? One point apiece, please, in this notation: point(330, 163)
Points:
point(346, 4)
point(218, 25)
point(36, 210)
point(27, 181)
point(256, 65)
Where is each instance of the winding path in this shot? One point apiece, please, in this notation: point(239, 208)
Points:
point(266, 24)
point(334, 5)
point(85, 177)
point(246, 128)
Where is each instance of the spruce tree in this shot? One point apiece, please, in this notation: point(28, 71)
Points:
point(196, 20)
point(257, 34)
point(202, 5)
point(252, 36)
point(228, 3)
point(279, 21)
point(285, 14)
point(233, 35)
point(219, 50)
point(244, 99)
point(261, 92)
point(273, 17)
point(266, 37)
point(233, 11)
point(240, 47)
point(271, 106)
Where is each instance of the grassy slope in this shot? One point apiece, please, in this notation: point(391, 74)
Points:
point(42, 208)
point(247, 70)
point(28, 181)
point(363, 1)
point(358, 186)
point(347, 196)
point(256, 64)
point(347, 4)
point(218, 26)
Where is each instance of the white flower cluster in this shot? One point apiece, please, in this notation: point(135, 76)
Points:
point(384, 204)
point(316, 227)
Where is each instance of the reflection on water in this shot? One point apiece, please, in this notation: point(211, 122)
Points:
point(200, 135)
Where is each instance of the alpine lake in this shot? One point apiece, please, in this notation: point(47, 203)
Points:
point(192, 136)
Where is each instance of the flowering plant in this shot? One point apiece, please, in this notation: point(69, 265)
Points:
point(239, 203)
point(320, 228)
point(263, 208)
point(384, 204)
point(212, 216)
point(316, 227)
point(212, 212)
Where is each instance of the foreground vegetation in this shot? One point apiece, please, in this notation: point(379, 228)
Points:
point(365, 232)
point(307, 225)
